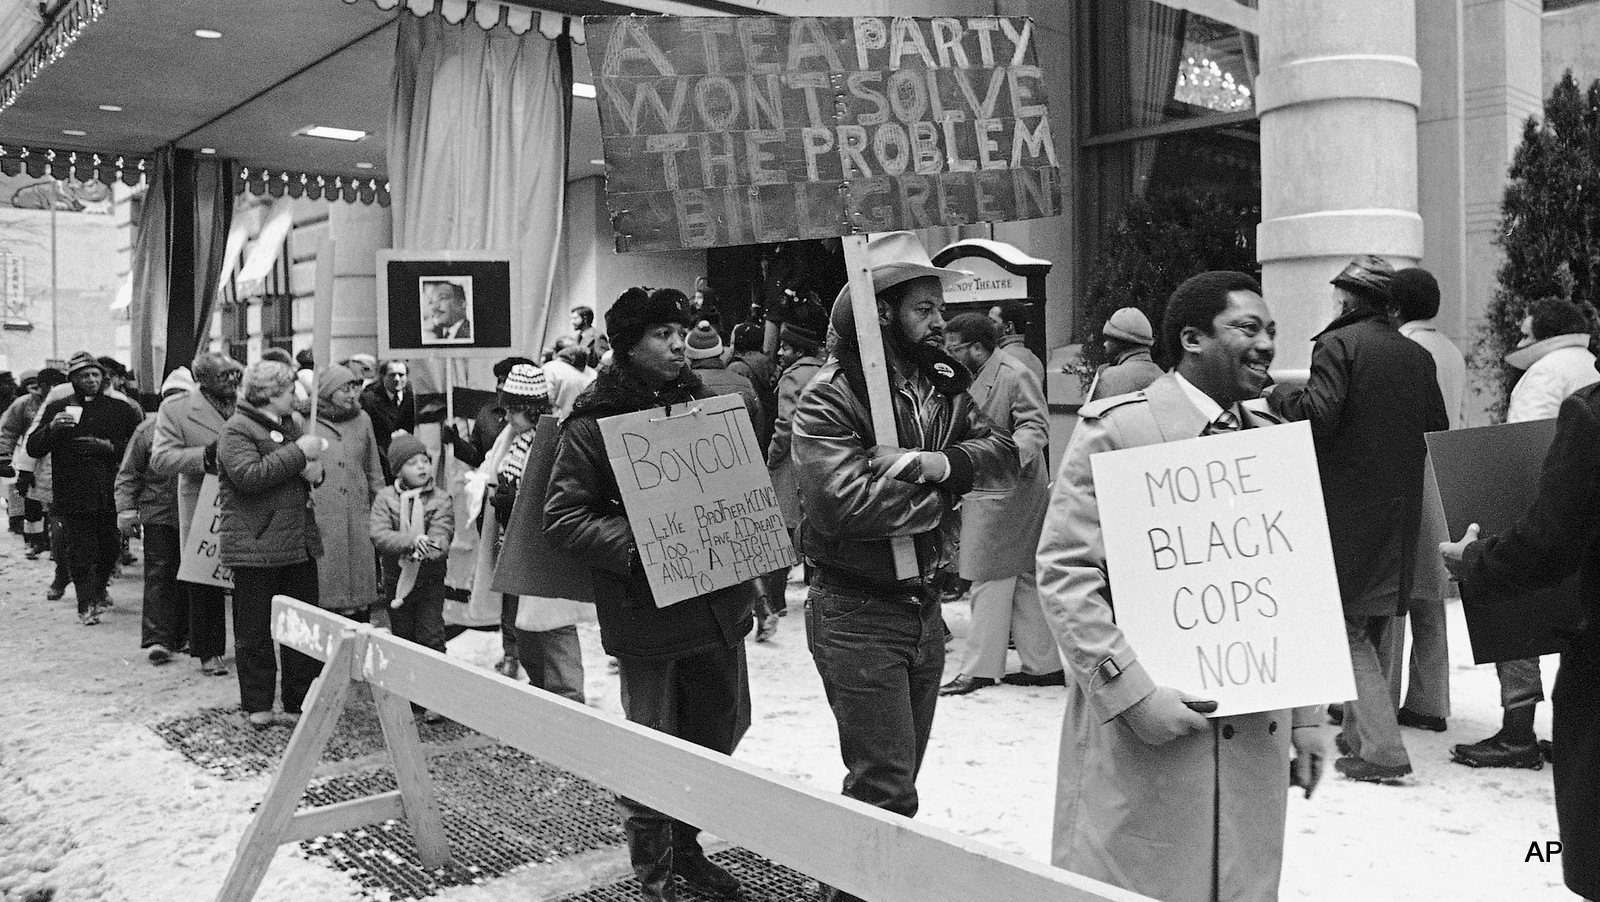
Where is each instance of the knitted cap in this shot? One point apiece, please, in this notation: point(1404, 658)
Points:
point(799, 337)
point(1129, 324)
point(83, 360)
point(704, 342)
point(335, 377)
point(402, 449)
point(525, 384)
point(1416, 293)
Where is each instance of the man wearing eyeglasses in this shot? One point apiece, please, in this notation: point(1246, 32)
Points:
point(1371, 396)
point(1150, 795)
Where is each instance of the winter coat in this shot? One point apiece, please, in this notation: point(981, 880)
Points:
point(1371, 396)
point(719, 380)
point(387, 416)
point(385, 532)
point(139, 488)
point(352, 477)
point(779, 461)
point(1018, 348)
point(1131, 371)
point(1157, 820)
point(185, 426)
point(18, 417)
point(267, 519)
point(1558, 536)
point(1000, 529)
point(847, 512)
point(83, 479)
point(762, 373)
point(1450, 366)
point(1555, 368)
point(584, 515)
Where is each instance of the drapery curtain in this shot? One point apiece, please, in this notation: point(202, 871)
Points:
point(477, 151)
point(177, 259)
point(1155, 34)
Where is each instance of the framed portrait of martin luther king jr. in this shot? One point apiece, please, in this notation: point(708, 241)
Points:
point(448, 304)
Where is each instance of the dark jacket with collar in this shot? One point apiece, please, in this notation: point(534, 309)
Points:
point(1371, 396)
point(84, 477)
point(387, 416)
point(267, 519)
point(585, 517)
point(1132, 371)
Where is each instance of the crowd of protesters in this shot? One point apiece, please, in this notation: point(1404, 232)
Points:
point(328, 494)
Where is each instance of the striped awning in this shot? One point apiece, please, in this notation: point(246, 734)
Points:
point(490, 14)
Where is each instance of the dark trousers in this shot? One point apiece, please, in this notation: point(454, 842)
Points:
point(253, 648)
point(60, 550)
point(208, 619)
point(166, 605)
point(421, 618)
point(1575, 737)
point(508, 625)
point(35, 529)
point(553, 661)
point(880, 657)
point(93, 545)
point(698, 698)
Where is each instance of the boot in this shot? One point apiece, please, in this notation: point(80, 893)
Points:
point(690, 863)
point(650, 852)
point(1514, 746)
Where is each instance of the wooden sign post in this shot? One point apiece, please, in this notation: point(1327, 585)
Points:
point(1222, 568)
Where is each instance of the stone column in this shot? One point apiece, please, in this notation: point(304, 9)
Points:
point(1337, 97)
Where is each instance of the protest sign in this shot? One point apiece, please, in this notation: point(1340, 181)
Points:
point(725, 131)
point(1502, 628)
point(1222, 571)
point(529, 564)
point(202, 552)
point(698, 497)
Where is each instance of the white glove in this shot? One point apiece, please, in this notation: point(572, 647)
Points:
point(1162, 716)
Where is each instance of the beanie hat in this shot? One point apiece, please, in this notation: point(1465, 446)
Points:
point(1129, 324)
point(1367, 277)
point(402, 449)
point(502, 368)
point(333, 378)
point(82, 360)
point(637, 310)
point(525, 385)
point(1416, 293)
point(798, 336)
point(704, 342)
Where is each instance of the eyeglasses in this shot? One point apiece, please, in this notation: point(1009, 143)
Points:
point(1252, 329)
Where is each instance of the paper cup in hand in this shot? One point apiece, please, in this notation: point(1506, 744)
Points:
point(75, 411)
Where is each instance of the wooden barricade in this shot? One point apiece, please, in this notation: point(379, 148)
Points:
point(861, 849)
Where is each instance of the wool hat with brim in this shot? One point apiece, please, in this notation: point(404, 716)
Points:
point(82, 360)
point(402, 449)
point(896, 257)
point(525, 385)
point(1368, 277)
point(1129, 324)
point(704, 342)
point(637, 310)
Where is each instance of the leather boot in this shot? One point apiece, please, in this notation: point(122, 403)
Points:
point(650, 852)
point(1514, 746)
point(690, 863)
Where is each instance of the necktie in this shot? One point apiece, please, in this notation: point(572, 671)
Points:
point(1226, 421)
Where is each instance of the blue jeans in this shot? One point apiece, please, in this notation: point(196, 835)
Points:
point(880, 657)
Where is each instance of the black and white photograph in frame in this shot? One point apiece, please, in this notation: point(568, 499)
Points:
point(446, 310)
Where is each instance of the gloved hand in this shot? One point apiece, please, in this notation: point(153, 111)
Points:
point(312, 472)
point(504, 498)
point(1310, 750)
point(1162, 716)
point(923, 466)
point(209, 459)
point(24, 481)
point(311, 445)
point(6, 471)
point(128, 523)
point(89, 446)
point(449, 434)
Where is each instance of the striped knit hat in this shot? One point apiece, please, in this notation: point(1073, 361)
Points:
point(525, 385)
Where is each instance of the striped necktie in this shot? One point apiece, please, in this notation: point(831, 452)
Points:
point(1227, 421)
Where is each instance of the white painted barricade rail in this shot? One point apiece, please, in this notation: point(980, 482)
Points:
point(861, 849)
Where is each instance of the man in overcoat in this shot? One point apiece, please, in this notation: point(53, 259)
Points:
point(1000, 530)
point(1371, 396)
point(1150, 795)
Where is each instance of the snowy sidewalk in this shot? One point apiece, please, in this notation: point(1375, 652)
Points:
point(98, 807)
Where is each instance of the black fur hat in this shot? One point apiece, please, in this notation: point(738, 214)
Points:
point(638, 309)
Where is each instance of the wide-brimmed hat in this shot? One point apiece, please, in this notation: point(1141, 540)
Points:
point(82, 361)
point(896, 257)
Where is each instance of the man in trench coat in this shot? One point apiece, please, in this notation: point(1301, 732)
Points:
point(1150, 795)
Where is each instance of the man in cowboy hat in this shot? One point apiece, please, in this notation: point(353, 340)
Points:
point(858, 489)
point(85, 434)
point(1371, 396)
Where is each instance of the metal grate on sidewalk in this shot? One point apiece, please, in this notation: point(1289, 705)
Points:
point(763, 881)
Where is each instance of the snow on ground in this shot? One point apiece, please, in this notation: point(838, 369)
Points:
point(94, 806)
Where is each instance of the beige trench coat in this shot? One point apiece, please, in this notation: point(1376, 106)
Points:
point(1171, 821)
point(999, 530)
point(352, 476)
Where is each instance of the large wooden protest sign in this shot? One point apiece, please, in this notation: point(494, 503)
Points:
point(202, 553)
point(725, 131)
point(698, 497)
point(1221, 569)
point(1489, 476)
